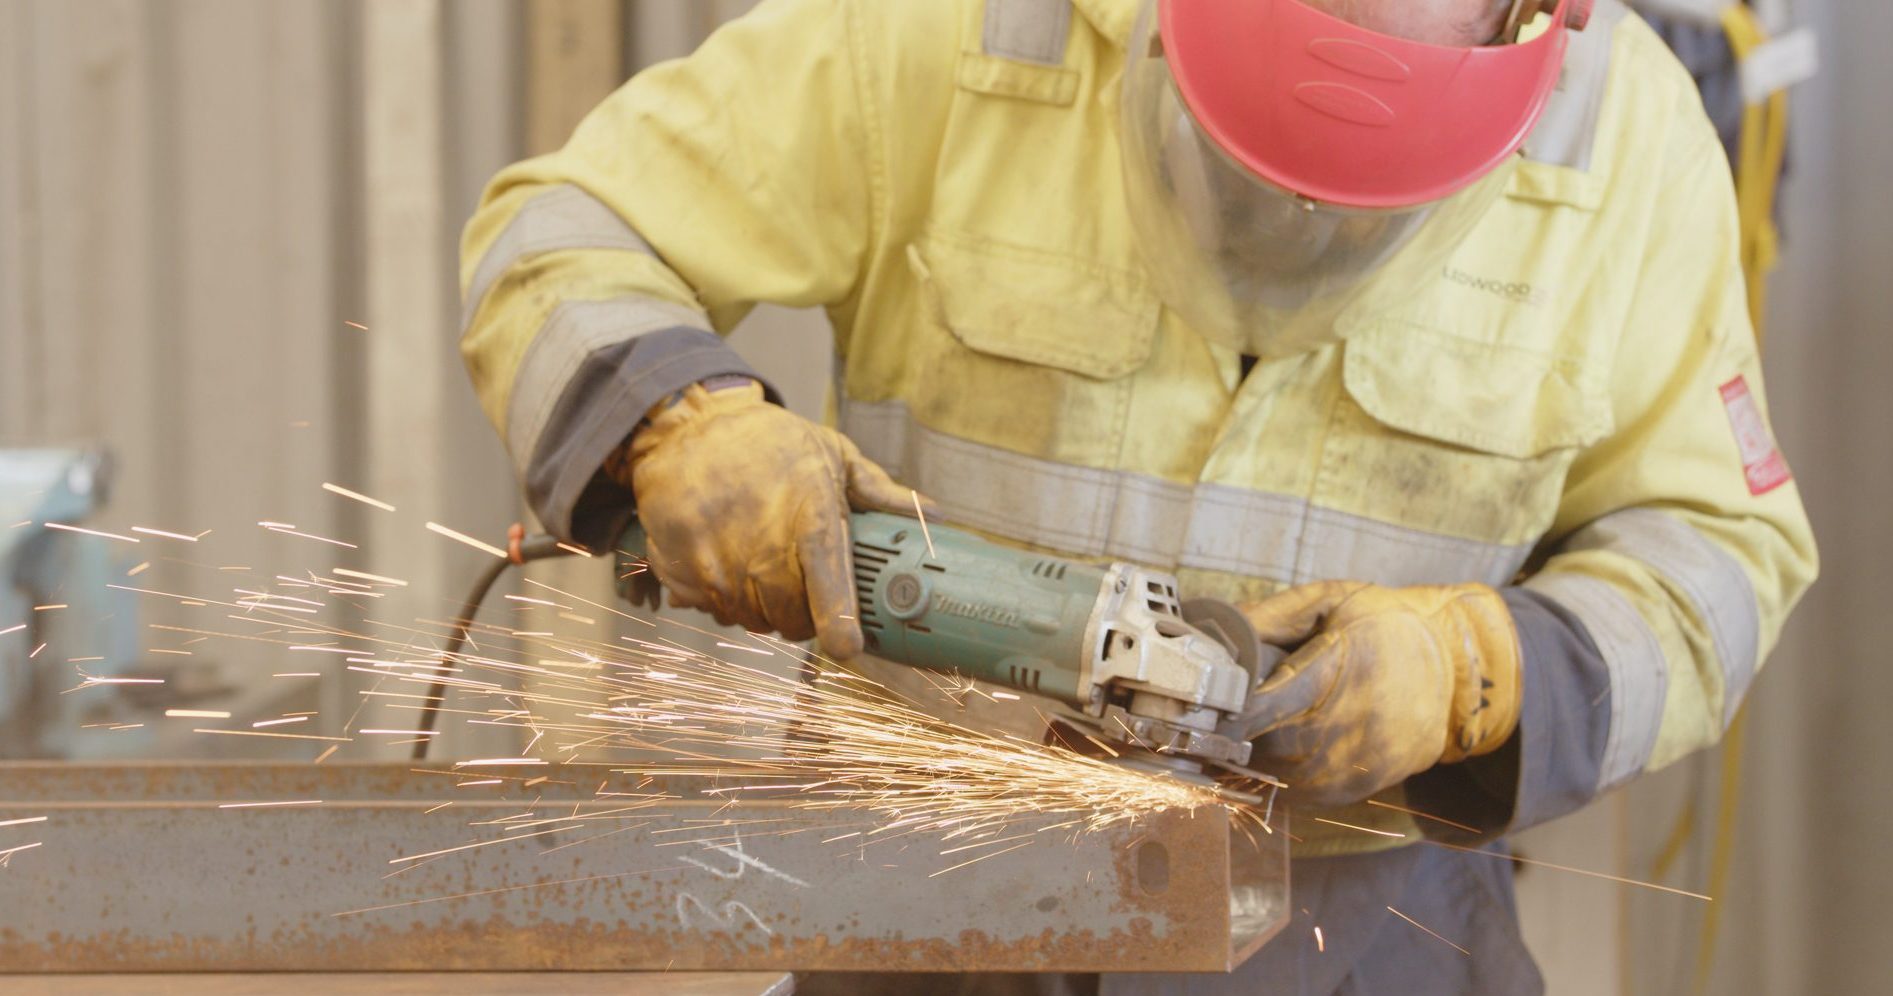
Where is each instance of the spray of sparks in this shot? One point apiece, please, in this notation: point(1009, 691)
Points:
point(831, 740)
point(866, 765)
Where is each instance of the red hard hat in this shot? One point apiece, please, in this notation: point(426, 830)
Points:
point(1344, 115)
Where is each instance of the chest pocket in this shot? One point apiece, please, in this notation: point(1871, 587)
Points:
point(1030, 351)
point(1458, 439)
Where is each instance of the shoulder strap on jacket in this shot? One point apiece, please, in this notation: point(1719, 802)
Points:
point(1027, 30)
point(1568, 130)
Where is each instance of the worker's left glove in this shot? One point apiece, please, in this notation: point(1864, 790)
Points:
point(1382, 684)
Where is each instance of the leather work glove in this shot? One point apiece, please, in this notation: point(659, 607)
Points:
point(744, 507)
point(1384, 683)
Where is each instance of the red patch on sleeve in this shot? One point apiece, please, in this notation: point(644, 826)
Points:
point(1761, 458)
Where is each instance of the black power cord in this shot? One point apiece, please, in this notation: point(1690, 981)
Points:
point(523, 551)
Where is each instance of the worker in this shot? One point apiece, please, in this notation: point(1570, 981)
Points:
point(1415, 327)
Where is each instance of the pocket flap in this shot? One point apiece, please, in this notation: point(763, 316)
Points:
point(1558, 186)
point(1053, 85)
point(1037, 307)
point(1497, 399)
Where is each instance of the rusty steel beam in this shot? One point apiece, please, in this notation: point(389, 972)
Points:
point(144, 869)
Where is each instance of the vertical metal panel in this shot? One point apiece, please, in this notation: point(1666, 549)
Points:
point(408, 316)
point(82, 174)
point(251, 204)
point(574, 57)
point(19, 219)
point(485, 101)
point(438, 118)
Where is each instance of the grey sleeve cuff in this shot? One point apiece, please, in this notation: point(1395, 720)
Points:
point(1551, 765)
point(599, 406)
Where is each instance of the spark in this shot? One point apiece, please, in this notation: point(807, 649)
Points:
point(292, 531)
point(263, 733)
point(1576, 871)
point(1350, 826)
point(326, 753)
point(489, 762)
point(36, 651)
point(147, 530)
point(278, 722)
point(90, 680)
point(140, 569)
point(443, 805)
point(986, 843)
point(11, 851)
point(404, 733)
point(1424, 816)
point(263, 596)
point(468, 540)
point(982, 857)
point(921, 514)
point(483, 781)
point(186, 600)
point(1005, 695)
point(1321, 944)
point(365, 576)
point(358, 496)
point(579, 550)
point(12, 629)
point(595, 605)
point(534, 601)
point(356, 325)
point(751, 650)
point(297, 674)
point(62, 527)
point(196, 714)
point(262, 805)
point(1429, 930)
point(23, 821)
point(161, 650)
point(49, 608)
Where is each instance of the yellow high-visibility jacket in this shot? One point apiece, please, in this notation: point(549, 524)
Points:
point(1573, 410)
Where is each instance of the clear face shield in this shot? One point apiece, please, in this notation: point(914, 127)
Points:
point(1281, 207)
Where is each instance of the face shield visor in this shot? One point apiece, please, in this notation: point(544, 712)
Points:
point(1291, 175)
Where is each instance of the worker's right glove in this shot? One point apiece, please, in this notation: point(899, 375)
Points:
point(744, 507)
point(1382, 684)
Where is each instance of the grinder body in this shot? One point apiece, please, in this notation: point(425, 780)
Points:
point(1111, 642)
point(1001, 615)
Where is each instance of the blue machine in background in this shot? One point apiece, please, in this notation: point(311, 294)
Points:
point(41, 568)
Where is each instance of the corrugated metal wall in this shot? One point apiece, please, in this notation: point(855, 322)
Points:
point(196, 199)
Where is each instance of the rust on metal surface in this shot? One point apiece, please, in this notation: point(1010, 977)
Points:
point(142, 871)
